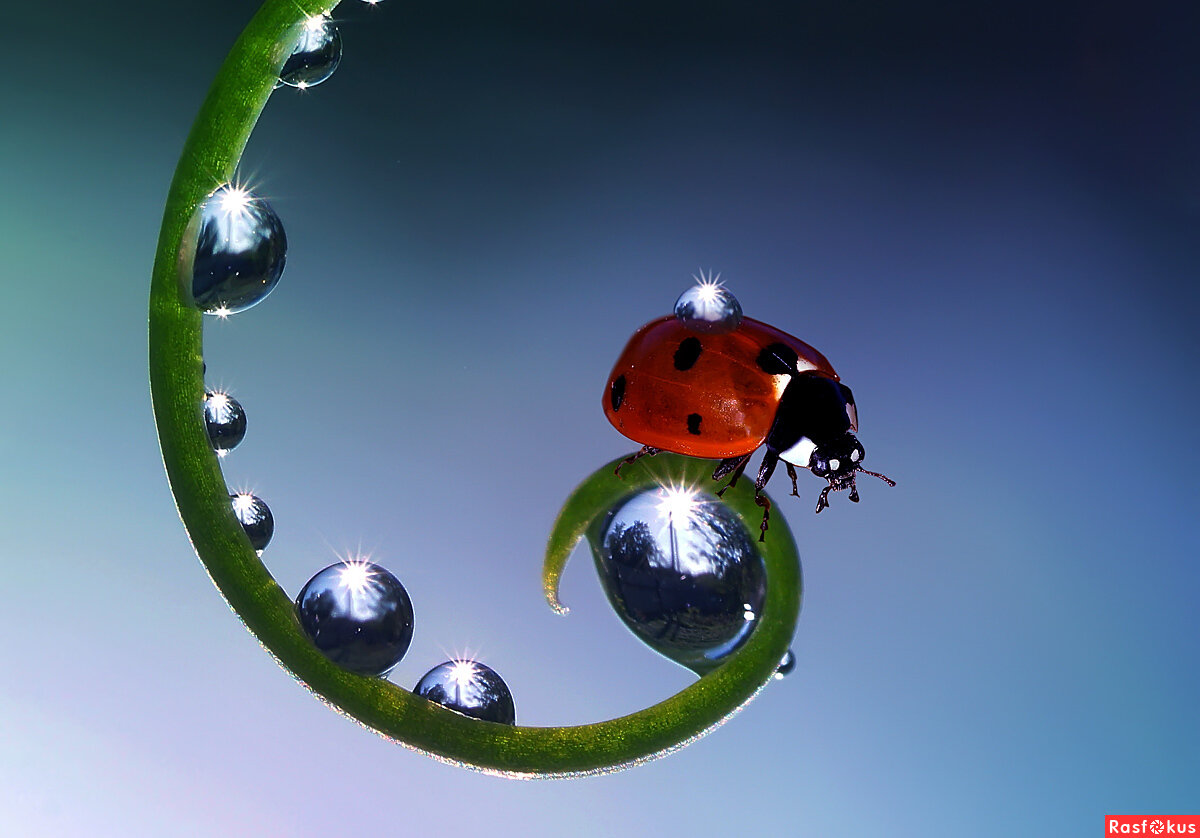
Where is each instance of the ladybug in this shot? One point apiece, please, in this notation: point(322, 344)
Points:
point(723, 395)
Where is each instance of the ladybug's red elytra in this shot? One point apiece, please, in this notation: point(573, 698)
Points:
point(723, 395)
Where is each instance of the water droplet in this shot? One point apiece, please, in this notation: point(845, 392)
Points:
point(682, 572)
point(708, 307)
point(316, 55)
point(786, 666)
point(359, 616)
point(470, 688)
point(224, 419)
point(239, 254)
point(256, 519)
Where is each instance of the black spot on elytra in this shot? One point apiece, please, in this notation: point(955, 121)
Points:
point(616, 395)
point(687, 353)
point(693, 421)
point(777, 359)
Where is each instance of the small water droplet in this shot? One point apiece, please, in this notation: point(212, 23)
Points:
point(255, 517)
point(471, 688)
point(708, 307)
point(785, 666)
point(359, 616)
point(316, 55)
point(239, 254)
point(682, 572)
point(224, 419)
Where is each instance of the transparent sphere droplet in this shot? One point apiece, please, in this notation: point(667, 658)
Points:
point(239, 254)
point(224, 419)
point(359, 616)
point(785, 666)
point(316, 55)
point(470, 688)
point(708, 307)
point(682, 572)
point(256, 519)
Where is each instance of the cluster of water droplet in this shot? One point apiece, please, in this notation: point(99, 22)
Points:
point(356, 612)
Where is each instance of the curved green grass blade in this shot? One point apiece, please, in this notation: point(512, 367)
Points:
point(209, 158)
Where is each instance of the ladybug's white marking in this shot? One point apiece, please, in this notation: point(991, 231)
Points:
point(855, 456)
point(799, 454)
point(852, 415)
point(781, 383)
point(835, 464)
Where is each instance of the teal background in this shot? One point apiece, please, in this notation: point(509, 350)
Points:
point(983, 214)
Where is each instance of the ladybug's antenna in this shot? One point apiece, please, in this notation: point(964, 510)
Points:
point(885, 479)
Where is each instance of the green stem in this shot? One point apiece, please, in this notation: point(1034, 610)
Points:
point(210, 157)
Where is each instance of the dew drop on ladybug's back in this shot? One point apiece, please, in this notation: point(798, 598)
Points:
point(705, 395)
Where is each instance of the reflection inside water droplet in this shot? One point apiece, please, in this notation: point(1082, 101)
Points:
point(224, 419)
point(255, 517)
point(359, 616)
point(471, 688)
point(316, 56)
point(239, 253)
point(708, 307)
point(682, 572)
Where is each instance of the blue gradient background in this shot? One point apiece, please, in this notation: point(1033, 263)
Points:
point(984, 214)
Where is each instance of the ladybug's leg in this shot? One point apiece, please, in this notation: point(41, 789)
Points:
point(730, 465)
point(647, 451)
point(823, 500)
point(765, 503)
point(792, 474)
point(769, 461)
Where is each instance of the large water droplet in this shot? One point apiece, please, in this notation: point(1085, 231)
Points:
point(256, 519)
point(239, 254)
point(682, 573)
point(316, 55)
point(708, 307)
point(470, 688)
point(224, 419)
point(359, 616)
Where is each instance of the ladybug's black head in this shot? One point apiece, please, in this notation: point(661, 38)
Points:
point(838, 461)
point(817, 407)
